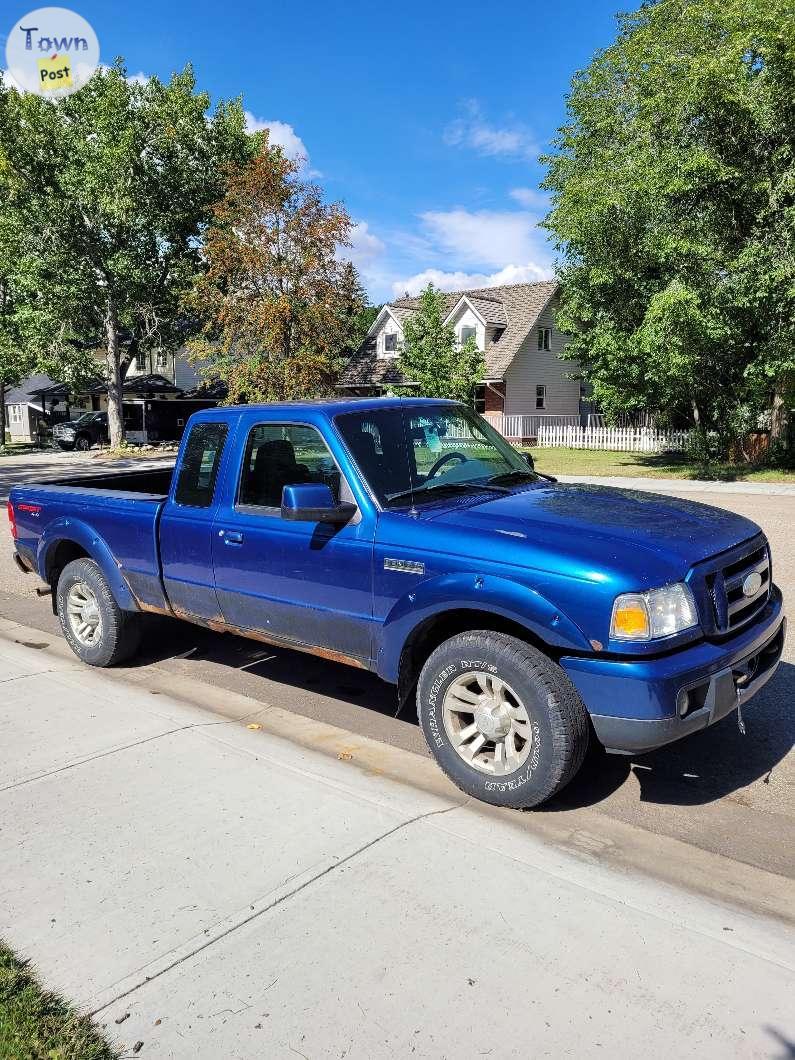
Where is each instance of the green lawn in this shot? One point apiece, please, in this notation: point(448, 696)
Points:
point(665, 465)
point(37, 1025)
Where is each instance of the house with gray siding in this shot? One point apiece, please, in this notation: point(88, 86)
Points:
point(514, 326)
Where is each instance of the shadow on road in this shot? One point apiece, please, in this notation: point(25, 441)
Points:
point(168, 638)
point(703, 768)
point(787, 1046)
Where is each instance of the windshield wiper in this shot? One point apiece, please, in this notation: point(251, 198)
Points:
point(479, 487)
point(514, 476)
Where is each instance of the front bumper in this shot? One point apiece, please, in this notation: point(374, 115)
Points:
point(640, 705)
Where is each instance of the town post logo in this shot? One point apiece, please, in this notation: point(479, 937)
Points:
point(51, 51)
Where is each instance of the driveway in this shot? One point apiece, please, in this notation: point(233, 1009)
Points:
point(718, 790)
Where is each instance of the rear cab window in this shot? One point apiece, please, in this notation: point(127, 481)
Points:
point(199, 468)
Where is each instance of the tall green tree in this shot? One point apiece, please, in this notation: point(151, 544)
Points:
point(278, 302)
point(674, 211)
point(431, 357)
point(110, 190)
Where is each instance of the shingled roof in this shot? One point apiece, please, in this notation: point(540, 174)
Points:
point(512, 310)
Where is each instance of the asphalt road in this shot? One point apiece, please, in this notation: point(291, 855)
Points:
point(718, 790)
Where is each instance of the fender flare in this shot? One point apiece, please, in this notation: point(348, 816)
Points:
point(474, 592)
point(75, 530)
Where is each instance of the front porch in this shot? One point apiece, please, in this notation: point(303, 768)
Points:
point(523, 429)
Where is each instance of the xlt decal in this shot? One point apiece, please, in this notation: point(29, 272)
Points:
point(405, 566)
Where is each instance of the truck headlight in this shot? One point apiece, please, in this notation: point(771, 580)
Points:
point(653, 614)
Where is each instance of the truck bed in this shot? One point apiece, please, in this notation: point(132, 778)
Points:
point(114, 515)
point(153, 481)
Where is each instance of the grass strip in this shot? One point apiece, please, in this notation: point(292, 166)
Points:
point(38, 1025)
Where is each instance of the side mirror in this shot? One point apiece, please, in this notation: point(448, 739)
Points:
point(530, 461)
point(313, 502)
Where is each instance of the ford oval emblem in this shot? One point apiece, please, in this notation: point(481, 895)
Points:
point(752, 583)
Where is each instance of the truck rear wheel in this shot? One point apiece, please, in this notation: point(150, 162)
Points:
point(503, 721)
point(95, 627)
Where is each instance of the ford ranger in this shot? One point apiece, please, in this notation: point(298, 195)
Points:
point(406, 536)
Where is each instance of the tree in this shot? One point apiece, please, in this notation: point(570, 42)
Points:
point(431, 357)
point(279, 303)
point(15, 363)
point(673, 210)
point(110, 189)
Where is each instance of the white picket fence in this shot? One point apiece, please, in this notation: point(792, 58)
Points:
point(519, 427)
point(621, 439)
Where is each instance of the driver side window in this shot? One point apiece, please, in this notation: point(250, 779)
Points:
point(279, 455)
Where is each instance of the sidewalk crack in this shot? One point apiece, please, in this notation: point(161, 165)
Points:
point(114, 750)
point(278, 901)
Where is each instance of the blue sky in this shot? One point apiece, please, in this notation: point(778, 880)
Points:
point(426, 119)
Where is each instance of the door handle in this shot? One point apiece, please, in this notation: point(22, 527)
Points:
point(231, 537)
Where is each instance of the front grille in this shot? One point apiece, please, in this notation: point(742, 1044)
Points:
point(726, 589)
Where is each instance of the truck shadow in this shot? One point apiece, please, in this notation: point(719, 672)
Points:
point(169, 639)
point(705, 767)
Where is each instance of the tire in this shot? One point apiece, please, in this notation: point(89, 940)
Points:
point(515, 687)
point(118, 633)
point(82, 443)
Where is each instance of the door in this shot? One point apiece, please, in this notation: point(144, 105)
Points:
point(187, 522)
point(306, 582)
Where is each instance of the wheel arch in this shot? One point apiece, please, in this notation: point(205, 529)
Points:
point(434, 630)
point(67, 540)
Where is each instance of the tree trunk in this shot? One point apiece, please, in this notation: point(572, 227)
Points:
point(2, 414)
point(114, 380)
point(779, 418)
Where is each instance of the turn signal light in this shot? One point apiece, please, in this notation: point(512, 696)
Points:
point(631, 618)
point(12, 520)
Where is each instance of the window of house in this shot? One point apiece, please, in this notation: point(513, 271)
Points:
point(390, 343)
point(544, 338)
point(199, 469)
point(140, 362)
point(468, 333)
point(162, 359)
point(480, 398)
point(279, 455)
point(541, 397)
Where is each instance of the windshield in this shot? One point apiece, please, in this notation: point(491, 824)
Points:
point(87, 417)
point(420, 451)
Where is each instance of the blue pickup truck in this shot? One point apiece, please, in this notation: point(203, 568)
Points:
point(407, 537)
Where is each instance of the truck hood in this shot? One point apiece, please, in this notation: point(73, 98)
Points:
point(602, 524)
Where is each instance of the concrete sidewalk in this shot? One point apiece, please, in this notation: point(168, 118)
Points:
point(241, 895)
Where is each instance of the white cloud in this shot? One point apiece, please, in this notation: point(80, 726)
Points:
point(133, 79)
point(365, 245)
point(512, 140)
point(531, 198)
point(280, 134)
point(490, 238)
point(457, 281)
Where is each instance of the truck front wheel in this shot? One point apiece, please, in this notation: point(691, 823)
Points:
point(95, 627)
point(503, 721)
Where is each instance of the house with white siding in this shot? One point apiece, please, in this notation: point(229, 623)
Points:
point(526, 381)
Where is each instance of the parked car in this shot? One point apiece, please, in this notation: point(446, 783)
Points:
point(89, 429)
point(526, 617)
